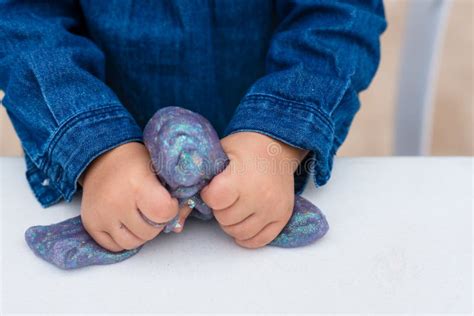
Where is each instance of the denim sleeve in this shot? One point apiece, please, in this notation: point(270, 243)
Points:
point(322, 54)
point(62, 111)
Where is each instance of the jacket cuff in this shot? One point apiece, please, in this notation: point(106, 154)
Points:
point(73, 147)
point(296, 124)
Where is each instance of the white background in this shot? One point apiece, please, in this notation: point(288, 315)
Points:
point(400, 240)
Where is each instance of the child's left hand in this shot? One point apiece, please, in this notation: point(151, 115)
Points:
point(253, 197)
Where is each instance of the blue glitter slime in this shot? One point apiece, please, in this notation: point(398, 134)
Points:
point(67, 245)
point(186, 155)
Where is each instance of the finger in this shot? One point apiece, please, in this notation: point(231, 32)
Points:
point(137, 225)
point(155, 202)
point(264, 237)
point(246, 229)
point(233, 215)
point(124, 238)
point(183, 215)
point(94, 227)
point(221, 193)
point(104, 240)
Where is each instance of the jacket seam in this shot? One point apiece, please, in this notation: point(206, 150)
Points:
point(54, 139)
point(294, 104)
point(30, 62)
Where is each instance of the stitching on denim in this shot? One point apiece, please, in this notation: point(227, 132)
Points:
point(330, 135)
point(298, 105)
point(54, 139)
point(34, 173)
point(106, 119)
point(42, 157)
point(30, 174)
point(280, 112)
point(79, 113)
point(93, 120)
point(32, 64)
point(341, 96)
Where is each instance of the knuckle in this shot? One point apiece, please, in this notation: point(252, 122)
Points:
point(105, 243)
point(136, 186)
point(139, 234)
point(268, 195)
point(127, 241)
point(112, 198)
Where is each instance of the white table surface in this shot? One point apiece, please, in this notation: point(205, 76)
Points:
point(400, 241)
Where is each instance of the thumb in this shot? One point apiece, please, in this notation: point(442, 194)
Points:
point(222, 191)
point(155, 202)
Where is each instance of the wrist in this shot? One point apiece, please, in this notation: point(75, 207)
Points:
point(290, 152)
point(254, 144)
point(289, 157)
point(111, 157)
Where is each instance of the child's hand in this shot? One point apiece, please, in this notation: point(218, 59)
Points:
point(253, 197)
point(115, 186)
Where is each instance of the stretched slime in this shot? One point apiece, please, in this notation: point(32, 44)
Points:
point(186, 154)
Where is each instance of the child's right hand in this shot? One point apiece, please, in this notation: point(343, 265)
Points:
point(116, 186)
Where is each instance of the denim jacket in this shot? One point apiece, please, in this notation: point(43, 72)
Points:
point(82, 77)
